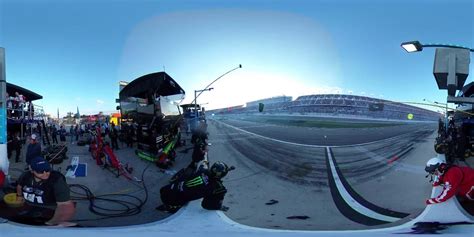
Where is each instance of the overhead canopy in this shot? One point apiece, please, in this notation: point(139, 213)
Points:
point(185, 106)
point(30, 95)
point(146, 86)
point(468, 90)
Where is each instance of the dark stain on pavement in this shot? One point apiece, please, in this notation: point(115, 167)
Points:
point(297, 217)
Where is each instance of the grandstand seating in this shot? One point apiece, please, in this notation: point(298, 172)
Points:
point(338, 105)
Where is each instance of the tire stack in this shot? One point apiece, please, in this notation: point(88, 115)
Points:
point(55, 154)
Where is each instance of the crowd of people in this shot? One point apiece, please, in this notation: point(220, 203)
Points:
point(18, 106)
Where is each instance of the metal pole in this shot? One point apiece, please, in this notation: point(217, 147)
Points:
point(4, 164)
point(195, 105)
point(446, 119)
point(240, 66)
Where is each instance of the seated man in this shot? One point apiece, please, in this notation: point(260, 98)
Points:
point(44, 190)
point(205, 184)
point(454, 179)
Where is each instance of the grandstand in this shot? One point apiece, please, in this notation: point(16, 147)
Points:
point(272, 100)
point(339, 105)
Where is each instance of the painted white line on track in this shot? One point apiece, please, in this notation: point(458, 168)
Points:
point(351, 201)
point(308, 145)
point(260, 126)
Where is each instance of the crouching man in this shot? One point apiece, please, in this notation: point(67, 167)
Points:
point(455, 180)
point(206, 184)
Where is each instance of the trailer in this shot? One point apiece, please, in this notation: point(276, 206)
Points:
point(149, 105)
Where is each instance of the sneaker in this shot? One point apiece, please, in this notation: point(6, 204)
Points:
point(167, 208)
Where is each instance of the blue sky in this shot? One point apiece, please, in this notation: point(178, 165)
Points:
point(74, 53)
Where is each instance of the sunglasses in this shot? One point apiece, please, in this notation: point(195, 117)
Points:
point(42, 172)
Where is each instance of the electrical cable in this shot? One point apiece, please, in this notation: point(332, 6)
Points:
point(125, 207)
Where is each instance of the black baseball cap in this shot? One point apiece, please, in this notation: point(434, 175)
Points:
point(40, 165)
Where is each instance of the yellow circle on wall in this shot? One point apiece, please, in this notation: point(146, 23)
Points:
point(410, 116)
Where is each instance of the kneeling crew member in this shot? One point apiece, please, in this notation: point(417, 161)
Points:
point(455, 180)
point(43, 188)
point(205, 184)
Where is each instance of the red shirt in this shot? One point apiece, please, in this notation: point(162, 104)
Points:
point(2, 178)
point(455, 181)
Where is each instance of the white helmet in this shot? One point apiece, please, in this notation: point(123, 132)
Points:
point(434, 164)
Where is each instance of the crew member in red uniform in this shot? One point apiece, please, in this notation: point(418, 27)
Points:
point(455, 180)
point(2, 178)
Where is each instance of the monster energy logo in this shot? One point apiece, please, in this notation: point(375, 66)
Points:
point(194, 182)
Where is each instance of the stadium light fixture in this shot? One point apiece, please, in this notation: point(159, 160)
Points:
point(451, 65)
point(451, 68)
point(416, 46)
point(412, 46)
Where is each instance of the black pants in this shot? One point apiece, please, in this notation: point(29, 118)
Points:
point(129, 140)
point(9, 151)
point(55, 139)
point(114, 143)
point(175, 198)
point(171, 197)
point(17, 151)
point(32, 215)
point(17, 157)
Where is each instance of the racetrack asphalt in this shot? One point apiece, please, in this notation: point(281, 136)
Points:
point(290, 165)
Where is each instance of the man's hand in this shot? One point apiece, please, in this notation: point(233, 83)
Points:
point(61, 224)
point(431, 201)
point(20, 199)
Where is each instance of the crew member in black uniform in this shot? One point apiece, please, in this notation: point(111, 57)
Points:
point(206, 184)
point(46, 195)
point(199, 154)
point(199, 161)
point(200, 134)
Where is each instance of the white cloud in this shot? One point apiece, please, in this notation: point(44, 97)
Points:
point(100, 102)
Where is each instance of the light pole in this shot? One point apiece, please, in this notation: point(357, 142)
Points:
point(451, 68)
point(195, 99)
point(416, 46)
point(206, 88)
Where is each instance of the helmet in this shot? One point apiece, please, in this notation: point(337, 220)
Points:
point(440, 147)
point(434, 164)
point(219, 169)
